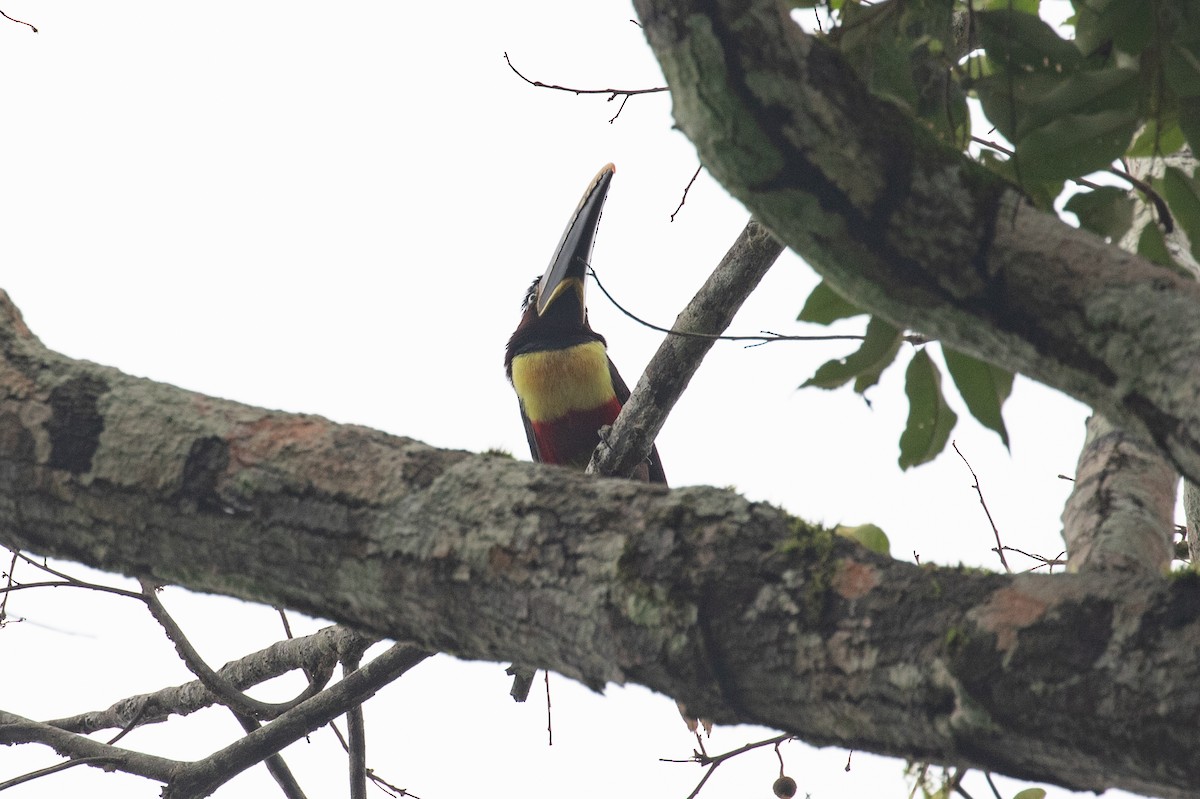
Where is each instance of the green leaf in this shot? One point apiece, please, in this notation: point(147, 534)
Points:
point(1183, 197)
point(825, 306)
point(1124, 23)
point(983, 387)
point(1189, 121)
point(870, 536)
point(1152, 246)
point(878, 350)
point(1043, 193)
point(1181, 67)
point(1076, 144)
point(1024, 6)
point(1106, 211)
point(1020, 104)
point(1022, 43)
point(1157, 139)
point(930, 419)
point(1031, 793)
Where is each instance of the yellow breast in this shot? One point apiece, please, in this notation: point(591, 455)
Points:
point(556, 382)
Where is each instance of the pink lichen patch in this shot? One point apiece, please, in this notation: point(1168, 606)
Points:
point(1007, 612)
point(268, 437)
point(854, 580)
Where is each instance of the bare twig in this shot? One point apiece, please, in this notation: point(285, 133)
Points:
point(380, 782)
point(65, 581)
point(549, 716)
point(612, 93)
point(686, 189)
point(712, 762)
point(1042, 560)
point(18, 21)
point(765, 337)
point(999, 548)
point(8, 577)
point(48, 770)
point(287, 628)
point(131, 724)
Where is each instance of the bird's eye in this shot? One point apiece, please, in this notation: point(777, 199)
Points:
point(530, 296)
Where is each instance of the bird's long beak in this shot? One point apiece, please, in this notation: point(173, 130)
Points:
point(568, 267)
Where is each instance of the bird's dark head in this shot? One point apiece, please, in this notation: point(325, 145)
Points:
point(555, 308)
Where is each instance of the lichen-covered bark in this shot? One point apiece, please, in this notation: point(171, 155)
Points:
point(916, 232)
point(1120, 512)
point(733, 607)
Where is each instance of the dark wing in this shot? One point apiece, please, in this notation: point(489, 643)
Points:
point(533, 447)
point(657, 475)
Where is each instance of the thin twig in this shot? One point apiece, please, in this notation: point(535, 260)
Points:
point(67, 581)
point(987, 775)
point(287, 628)
point(18, 21)
point(380, 782)
point(686, 189)
point(955, 783)
point(612, 93)
point(549, 717)
point(713, 762)
point(57, 767)
point(12, 568)
point(132, 723)
point(765, 338)
point(1042, 560)
point(999, 550)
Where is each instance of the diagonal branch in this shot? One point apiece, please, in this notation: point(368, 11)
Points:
point(679, 356)
point(201, 778)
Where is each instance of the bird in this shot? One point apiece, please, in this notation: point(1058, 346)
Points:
point(566, 385)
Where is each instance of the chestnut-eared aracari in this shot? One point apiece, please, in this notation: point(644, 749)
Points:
point(566, 384)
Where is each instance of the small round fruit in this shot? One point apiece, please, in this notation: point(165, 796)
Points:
point(784, 787)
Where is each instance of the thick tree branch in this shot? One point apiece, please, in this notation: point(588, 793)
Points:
point(916, 232)
point(735, 608)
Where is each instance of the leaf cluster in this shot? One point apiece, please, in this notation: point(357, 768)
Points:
point(1119, 80)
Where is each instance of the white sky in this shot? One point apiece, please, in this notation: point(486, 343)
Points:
point(336, 208)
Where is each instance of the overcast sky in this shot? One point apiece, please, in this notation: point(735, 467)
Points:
point(336, 209)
